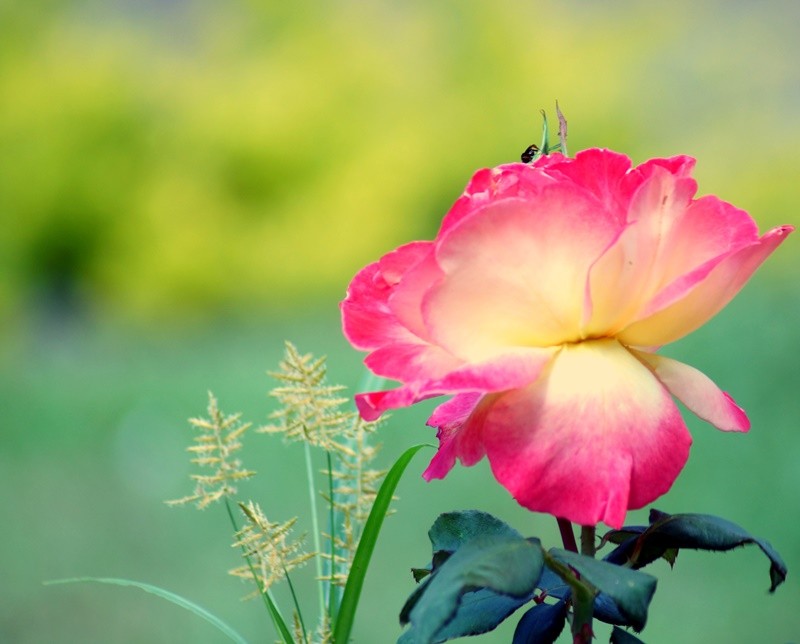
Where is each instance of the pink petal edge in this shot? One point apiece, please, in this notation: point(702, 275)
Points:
point(511, 370)
point(698, 392)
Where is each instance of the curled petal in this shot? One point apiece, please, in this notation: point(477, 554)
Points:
point(698, 392)
point(671, 242)
point(371, 405)
point(624, 278)
point(448, 418)
point(367, 319)
point(706, 297)
point(381, 312)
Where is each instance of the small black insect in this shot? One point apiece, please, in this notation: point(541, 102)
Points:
point(529, 154)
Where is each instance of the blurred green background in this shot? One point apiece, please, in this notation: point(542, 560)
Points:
point(185, 184)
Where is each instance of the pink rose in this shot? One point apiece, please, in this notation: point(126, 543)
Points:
point(539, 307)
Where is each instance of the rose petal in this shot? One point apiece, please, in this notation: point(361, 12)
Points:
point(371, 405)
point(599, 172)
point(428, 373)
point(678, 166)
point(406, 299)
point(707, 296)
point(449, 418)
point(515, 273)
point(595, 435)
point(698, 392)
point(670, 244)
point(623, 279)
point(367, 319)
point(707, 233)
point(492, 184)
point(412, 362)
point(379, 313)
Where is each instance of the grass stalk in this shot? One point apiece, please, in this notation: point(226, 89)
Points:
point(266, 595)
point(312, 496)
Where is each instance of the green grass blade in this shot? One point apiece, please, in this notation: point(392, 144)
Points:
point(333, 603)
point(296, 604)
point(275, 614)
point(366, 546)
point(315, 533)
point(164, 594)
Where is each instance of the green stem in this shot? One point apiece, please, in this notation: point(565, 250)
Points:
point(567, 535)
point(583, 595)
point(269, 601)
point(296, 605)
point(587, 540)
point(312, 495)
point(582, 610)
point(332, 592)
point(583, 606)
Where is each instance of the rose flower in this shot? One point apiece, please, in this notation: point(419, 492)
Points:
point(539, 308)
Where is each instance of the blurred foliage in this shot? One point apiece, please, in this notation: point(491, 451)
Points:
point(162, 158)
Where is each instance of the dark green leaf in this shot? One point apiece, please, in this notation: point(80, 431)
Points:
point(622, 554)
point(490, 576)
point(706, 532)
point(643, 552)
point(627, 540)
point(606, 611)
point(420, 573)
point(630, 590)
point(478, 612)
point(604, 608)
point(671, 556)
point(621, 636)
point(668, 533)
point(552, 584)
point(451, 530)
point(542, 624)
point(416, 595)
point(621, 536)
point(439, 557)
